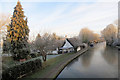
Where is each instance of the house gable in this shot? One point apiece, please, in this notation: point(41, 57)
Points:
point(67, 44)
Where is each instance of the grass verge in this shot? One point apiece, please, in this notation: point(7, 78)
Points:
point(52, 67)
point(48, 65)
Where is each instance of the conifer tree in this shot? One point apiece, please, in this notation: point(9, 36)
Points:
point(18, 33)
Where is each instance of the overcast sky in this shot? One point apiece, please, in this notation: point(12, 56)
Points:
point(65, 17)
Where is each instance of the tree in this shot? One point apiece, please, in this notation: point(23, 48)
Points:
point(55, 36)
point(41, 44)
point(4, 20)
point(18, 33)
point(110, 33)
point(46, 43)
point(86, 35)
point(6, 46)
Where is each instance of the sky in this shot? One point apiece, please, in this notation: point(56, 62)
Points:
point(64, 17)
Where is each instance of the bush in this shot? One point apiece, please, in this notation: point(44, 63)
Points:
point(33, 55)
point(24, 68)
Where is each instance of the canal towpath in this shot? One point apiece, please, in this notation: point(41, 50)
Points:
point(52, 70)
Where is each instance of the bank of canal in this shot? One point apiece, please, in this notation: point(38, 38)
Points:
point(100, 61)
point(52, 67)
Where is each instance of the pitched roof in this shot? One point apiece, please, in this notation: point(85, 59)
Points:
point(73, 41)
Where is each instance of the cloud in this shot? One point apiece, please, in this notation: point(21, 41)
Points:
point(55, 15)
point(68, 18)
point(95, 15)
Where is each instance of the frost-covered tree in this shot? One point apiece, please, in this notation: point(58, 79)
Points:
point(41, 43)
point(18, 33)
point(86, 35)
point(110, 33)
point(4, 20)
point(46, 43)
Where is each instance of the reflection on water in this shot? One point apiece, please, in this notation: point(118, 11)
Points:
point(86, 59)
point(99, 62)
point(73, 62)
point(110, 55)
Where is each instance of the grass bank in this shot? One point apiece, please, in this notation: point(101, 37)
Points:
point(52, 67)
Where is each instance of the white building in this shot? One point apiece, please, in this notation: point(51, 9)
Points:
point(70, 45)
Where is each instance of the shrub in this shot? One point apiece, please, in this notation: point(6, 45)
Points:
point(14, 72)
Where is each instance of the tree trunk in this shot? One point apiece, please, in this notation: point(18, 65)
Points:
point(44, 56)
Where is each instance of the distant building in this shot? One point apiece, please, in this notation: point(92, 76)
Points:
point(69, 45)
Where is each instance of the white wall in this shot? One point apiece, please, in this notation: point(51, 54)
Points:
point(67, 44)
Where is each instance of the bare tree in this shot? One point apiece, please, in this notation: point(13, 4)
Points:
point(4, 20)
point(86, 35)
point(110, 33)
point(40, 45)
point(47, 42)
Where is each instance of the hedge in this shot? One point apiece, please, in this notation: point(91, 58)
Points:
point(21, 69)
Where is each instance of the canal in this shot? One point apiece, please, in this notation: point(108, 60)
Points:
point(100, 61)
